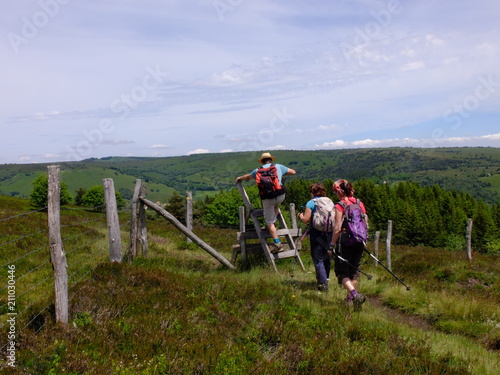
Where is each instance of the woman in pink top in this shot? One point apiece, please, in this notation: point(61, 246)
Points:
point(347, 272)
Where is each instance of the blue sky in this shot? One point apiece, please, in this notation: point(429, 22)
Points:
point(103, 78)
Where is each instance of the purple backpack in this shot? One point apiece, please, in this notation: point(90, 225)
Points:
point(354, 229)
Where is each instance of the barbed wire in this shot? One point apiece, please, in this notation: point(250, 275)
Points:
point(31, 271)
point(83, 222)
point(81, 259)
point(19, 313)
point(81, 278)
point(76, 236)
point(83, 245)
point(23, 237)
point(86, 250)
point(23, 214)
point(25, 255)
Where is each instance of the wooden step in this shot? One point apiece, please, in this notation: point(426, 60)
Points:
point(253, 235)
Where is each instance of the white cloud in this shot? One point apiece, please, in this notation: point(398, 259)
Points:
point(338, 143)
point(327, 127)
point(116, 141)
point(52, 156)
point(198, 151)
point(433, 40)
point(414, 65)
point(277, 147)
point(491, 140)
point(158, 146)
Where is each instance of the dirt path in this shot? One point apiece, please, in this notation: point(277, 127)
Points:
point(400, 317)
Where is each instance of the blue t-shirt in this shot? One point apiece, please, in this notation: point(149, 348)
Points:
point(312, 205)
point(280, 168)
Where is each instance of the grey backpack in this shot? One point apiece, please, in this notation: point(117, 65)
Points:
point(324, 214)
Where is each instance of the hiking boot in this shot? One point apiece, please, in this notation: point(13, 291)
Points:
point(277, 247)
point(323, 287)
point(358, 301)
point(349, 300)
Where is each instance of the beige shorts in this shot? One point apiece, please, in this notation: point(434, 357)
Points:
point(271, 207)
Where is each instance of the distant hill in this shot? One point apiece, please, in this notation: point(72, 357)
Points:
point(475, 170)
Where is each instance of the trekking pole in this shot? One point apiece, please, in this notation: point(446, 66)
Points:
point(349, 264)
point(345, 260)
point(304, 235)
point(298, 231)
point(387, 269)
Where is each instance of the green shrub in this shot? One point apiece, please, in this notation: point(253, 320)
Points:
point(38, 196)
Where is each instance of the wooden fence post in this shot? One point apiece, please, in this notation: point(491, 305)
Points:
point(57, 255)
point(388, 244)
point(295, 226)
point(469, 239)
point(243, 229)
point(375, 247)
point(143, 229)
point(132, 249)
point(189, 213)
point(293, 217)
point(115, 242)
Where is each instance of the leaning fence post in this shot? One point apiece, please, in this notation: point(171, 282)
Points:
point(115, 242)
point(375, 247)
point(469, 239)
point(57, 255)
point(189, 213)
point(388, 244)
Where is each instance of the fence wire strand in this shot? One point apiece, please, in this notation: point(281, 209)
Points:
point(23, 214)
point(82, 262)
point(23, 237)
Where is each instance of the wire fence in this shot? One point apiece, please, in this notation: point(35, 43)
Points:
point(27, 279)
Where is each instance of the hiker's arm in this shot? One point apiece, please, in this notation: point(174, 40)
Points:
point(290, 172)
point(338, 226)
point(245, 177)
point(305, 216)
point(366, 215)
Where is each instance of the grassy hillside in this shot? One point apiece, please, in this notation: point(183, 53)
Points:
point(179, 312)
point(475, 170)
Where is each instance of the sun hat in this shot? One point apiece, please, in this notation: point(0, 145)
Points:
point(266, 155)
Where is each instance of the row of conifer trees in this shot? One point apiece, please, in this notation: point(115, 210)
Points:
point(421, 215)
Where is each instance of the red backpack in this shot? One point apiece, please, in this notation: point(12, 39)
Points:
point(268, 182)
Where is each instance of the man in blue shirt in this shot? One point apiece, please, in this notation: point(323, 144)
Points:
point(271, 205)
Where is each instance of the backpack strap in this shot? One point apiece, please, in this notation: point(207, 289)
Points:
point(343, 204)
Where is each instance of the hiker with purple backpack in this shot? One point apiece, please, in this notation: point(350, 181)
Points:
point(319, 212)
point(351, 223)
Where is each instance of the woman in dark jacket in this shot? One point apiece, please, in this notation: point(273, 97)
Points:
point(319, 240)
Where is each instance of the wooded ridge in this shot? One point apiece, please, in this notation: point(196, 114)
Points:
point(474, 170)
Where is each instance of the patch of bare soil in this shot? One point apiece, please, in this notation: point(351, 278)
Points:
point(399, 316)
